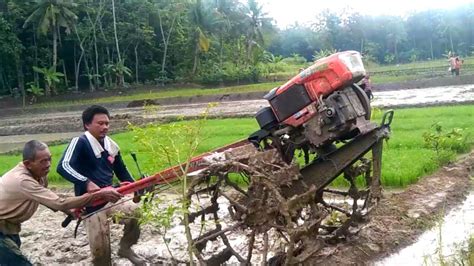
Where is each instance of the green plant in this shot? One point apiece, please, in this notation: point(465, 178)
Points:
point(51, 77)
point(323, 53)
point(177, 144)
point(119, 70)
point(445, 144)
point(389, 58)
point(158, 213)
point(35, 92)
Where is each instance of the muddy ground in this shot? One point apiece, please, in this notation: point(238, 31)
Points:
point(400, 218)
point(394, 223)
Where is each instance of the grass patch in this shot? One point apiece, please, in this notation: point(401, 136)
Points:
point(405, 158)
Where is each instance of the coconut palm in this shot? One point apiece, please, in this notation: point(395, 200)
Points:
point(256, 20)
point(199, 17)
point(51, 15)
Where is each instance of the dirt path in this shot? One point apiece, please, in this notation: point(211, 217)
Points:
point(396, 222)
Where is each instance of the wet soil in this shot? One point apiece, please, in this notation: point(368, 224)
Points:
point(400, 218)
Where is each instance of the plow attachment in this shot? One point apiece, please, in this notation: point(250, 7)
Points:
point(258, 209)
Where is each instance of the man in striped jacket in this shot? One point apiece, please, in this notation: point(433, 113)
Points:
point(90, 162)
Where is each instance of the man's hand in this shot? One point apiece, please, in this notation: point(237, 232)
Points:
point(109, 195)
point(92, 187)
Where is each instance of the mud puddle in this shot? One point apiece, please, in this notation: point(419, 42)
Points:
point(425, 96)
point(443, 243)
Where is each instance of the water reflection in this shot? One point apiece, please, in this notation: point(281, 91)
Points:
point(443, 243)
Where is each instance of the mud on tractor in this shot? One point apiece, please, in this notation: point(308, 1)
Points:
point(316, 129)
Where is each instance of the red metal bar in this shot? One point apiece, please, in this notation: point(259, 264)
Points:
point(171, 174)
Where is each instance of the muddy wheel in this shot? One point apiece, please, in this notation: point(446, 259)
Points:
point(349, 207)
point(365, 101)
point(229, 212)
point(240, 213)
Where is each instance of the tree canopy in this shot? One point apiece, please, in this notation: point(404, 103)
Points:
point(93, 44)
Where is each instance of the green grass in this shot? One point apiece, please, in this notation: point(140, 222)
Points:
point(405, 159)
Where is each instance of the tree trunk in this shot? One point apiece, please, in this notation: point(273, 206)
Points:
point(136, 63)
point(107, 78)
point(166, 41)
point(96, 76)
point(21, 79)
point(451, 41)
point(431, 48)
point(115, 31)
point(396, 51)
point(221, 59)
point(89, 74)
point(2, 80)
point(35, 74)
point(120, 76)
point(48, 90)
point(249, 50)
point(76, 87)
point(78, 68)
point(196, 59)
point(221, 52)
point(66, 83)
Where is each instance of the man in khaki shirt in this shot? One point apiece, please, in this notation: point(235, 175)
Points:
point(22, 189)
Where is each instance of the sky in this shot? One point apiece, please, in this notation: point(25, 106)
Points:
point(286, 12)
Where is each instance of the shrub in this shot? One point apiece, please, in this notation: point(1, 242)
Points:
point(445, 144)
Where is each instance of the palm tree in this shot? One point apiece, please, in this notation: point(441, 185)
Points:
point(257, 19)
point(51, 15)
point(199, 18)
point(227, 13)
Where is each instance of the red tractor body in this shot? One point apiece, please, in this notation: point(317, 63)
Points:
point(320, 105)
point(294, 102)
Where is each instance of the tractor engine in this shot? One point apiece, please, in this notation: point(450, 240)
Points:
point(320, 105)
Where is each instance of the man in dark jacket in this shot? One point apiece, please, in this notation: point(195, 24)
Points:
point(90, 162)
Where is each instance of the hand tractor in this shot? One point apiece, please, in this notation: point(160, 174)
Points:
point(275, 188)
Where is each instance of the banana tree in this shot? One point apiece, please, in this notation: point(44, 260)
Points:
point(51, 77)
point(35, 92)
point(119, 70)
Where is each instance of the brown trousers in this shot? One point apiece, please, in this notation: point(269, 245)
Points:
point(98, 230)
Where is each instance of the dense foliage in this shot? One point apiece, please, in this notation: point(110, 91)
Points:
point(49, 46)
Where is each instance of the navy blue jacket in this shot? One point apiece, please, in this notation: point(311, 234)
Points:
point(79, 164)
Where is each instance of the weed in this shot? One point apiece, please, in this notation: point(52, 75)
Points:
point(445, 144)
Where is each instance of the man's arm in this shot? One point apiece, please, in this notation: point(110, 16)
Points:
point(69, 164)
point(121, 170)
point(35, 191)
